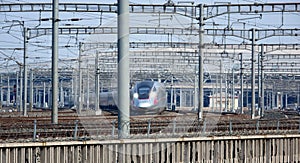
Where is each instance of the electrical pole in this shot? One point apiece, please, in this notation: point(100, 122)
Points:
point(262, 85)
point(79, 100)
point(97, 82)
point(31, 91)
point(1, 91)
point(241, 84)
point(55, 21)
point(200, 71)
point(221, 89)
point(123, 69)
point(232, 88)
point(253, 76)
point(20, 89)
point(25, 72)
point(258, 85)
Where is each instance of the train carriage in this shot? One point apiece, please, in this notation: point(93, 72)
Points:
point(146, 97)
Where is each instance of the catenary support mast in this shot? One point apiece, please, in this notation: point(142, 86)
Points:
point(55, 21)
point(123, 69)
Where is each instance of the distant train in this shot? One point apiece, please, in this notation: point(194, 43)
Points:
point(146, 97)
point(149, 97)
point(108, 100)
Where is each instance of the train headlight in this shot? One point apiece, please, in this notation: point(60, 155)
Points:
point(135, 95)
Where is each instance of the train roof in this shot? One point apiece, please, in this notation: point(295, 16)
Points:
point(148, 83)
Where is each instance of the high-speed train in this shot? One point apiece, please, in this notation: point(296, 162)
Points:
point(149, 97)
point(146, 97)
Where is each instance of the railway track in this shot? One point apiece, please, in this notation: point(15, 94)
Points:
point(71, 126)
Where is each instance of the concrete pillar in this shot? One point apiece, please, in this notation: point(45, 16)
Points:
point(20, 99)
point(40, 99)
point(61, 94)
point(123, 69)
point(195, 94)
point(37, 97)
point(175, 97)
point(8, 92)
point(298, 96)
point(1, 92)
point(180, 98)
point(286, 100)
point(273, 99)
point(279, 100)
point(97, 75)
point(88, 90)
point(190, 98)
point(212, 99)
point(31, 91)
point(44, 95)
point(172, 95)
point(50, 98)
point(16, 92)
point(185, 98)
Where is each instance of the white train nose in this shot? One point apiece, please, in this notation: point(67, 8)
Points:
point(144, 103)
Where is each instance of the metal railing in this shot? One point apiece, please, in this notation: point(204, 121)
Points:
point(78, 130)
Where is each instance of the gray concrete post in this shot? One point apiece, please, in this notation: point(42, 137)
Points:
point(97, 82)
point(1, 92)
point(262, 80)
point(44, 95)
point(221, 81)
point(241, 84)
point(25, 72)
point(55, 21)
point(201, 71)
point(123, 69)
point(21, 90)
point(8, 92)
point(31, 91)
point(253, 75)
point(79, 100)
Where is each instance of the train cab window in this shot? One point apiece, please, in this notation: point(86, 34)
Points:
point(144, 90)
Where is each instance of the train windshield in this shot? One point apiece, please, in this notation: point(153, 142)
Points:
point(144, 92)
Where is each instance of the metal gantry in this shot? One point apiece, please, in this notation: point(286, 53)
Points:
point(180, 57)
point(186, 10)
point(259, 33)
point(228, 8)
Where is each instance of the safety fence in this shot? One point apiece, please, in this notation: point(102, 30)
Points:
point(235, 149)
point(148, 128)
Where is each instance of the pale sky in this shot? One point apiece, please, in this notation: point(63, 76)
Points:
point(39, 49)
